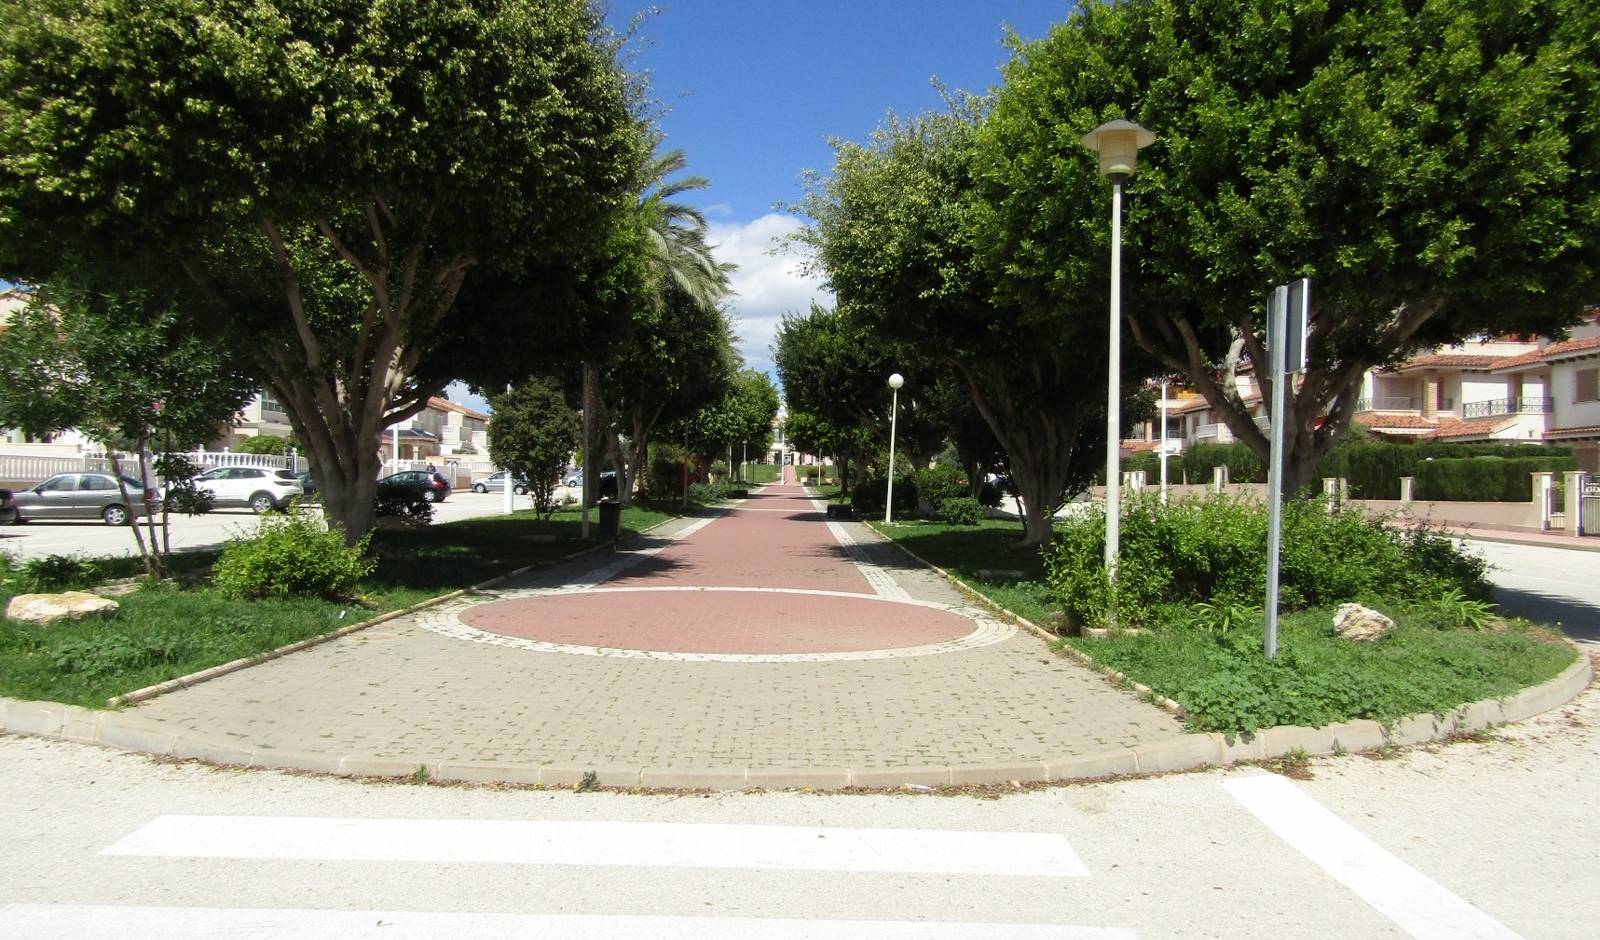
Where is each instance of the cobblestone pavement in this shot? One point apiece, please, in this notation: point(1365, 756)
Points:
point(406, 690)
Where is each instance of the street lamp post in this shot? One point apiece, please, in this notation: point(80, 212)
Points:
point(1163, 450)
point(895, 381)
point(1118, 144)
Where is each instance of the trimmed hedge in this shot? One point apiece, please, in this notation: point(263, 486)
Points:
point(1484, 479)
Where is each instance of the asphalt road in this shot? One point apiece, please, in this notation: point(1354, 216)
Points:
point(37, 539)
point(1483, 839)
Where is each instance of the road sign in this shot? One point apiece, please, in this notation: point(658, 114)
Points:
point(1288, 316)
point(1296, 303)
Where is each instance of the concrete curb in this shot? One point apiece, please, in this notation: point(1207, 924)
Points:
point(1071, 652)
point(130, 732)
point(213, 672)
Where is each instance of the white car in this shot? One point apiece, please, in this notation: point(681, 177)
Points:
point(261, 490)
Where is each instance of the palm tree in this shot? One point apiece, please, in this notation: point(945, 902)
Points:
point(679, 254)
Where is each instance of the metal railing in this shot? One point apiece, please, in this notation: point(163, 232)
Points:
point(1533, 405)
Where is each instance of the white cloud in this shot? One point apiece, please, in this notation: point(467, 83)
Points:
point(768, 283)
point(457, 392)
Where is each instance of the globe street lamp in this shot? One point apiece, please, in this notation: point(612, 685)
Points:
point(1118, 143)
point(895, 381)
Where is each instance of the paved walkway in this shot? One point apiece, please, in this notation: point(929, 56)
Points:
point(762, 637)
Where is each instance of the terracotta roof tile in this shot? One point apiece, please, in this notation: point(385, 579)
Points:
point(1455, 360)
point(445, 404)
point(1376, 421)
point(1475, 427)
point(1592, 430)
point(1553, 351)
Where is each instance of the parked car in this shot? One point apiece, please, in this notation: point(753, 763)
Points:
point(573, 479)
point(308, 486)
point(261, 490)
point(497, 482)
point(426, 485)
point(78, 496)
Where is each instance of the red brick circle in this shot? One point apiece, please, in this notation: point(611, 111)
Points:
point(726, 622)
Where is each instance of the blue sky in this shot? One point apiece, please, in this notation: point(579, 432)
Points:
point(754, 89)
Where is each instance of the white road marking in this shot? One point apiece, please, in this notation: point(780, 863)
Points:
point(1418, 904)
point(667, 845)
point(71, 922)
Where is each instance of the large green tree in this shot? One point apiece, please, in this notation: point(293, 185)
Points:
point(900, 232)
point(1432, 165)
point(373, 198)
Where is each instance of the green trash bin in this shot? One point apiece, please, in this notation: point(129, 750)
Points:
point(610, 518)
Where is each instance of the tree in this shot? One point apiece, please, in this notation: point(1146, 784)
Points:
point(533, 433)
point(743, 416)
point(899, 231)
point(836, 370)
point(1433, 166)
point(370, 197)
point(269, 444)
point(125, 368)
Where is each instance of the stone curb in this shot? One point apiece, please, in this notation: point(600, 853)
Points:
point(1071, 652)
point(213, 672)
point(130, 732)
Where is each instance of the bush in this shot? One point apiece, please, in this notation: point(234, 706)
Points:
point(868, 496)
point(1484, 479)
point(960, 510)
point(1214, 551)
point(409, 510)
point(1374, 468)
point(292, 555)
point(990, 494)
point(666, 477)
point(265, 444)
point(717, 492)
point(937, 484)
point(55, 573)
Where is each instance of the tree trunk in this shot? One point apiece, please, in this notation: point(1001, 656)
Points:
point(1046, 448)
point(151, 567)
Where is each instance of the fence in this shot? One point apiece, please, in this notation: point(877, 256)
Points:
point(23, 469)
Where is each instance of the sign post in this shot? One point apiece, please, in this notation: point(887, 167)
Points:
point(1287, 316)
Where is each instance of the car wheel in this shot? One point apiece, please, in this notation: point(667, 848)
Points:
point(479, 488)
point(115, 515)
point(10, 517)
point(262, 503)
point(520, 490)
point(428, 496)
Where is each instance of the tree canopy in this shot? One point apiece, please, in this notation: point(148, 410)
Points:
point(361, 192)
point(533, 433)
point(1432, 166)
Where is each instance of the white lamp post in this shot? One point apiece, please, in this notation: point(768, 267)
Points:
point(1118, 143)
point(895, 381)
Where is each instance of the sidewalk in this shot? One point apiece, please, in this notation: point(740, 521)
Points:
point(1578, 543)
point(759, 645)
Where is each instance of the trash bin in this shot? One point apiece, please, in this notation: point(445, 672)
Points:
point(610, 518)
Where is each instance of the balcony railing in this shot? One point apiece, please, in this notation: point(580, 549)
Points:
point(1388, 403)
point(1508, 406)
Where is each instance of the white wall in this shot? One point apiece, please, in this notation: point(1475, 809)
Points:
point(1570, 414)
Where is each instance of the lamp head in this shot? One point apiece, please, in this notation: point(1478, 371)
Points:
point(1118, 143)
point(896, 380)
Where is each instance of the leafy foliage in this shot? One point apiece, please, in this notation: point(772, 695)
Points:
point(265, 444)
point(56, 573)
point(533, 433)
point(960, 510)
point(291, 555)
point(1214, 551)
point(408, 511)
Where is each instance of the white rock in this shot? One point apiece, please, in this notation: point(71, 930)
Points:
point(48, 608)
point(1354, 622)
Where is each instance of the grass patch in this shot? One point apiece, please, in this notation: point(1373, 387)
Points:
point(1218, 673)
point(166, 631)
point(982, 555)
point(1225, 683)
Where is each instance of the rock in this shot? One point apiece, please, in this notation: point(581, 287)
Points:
point(48, 608)
point(1363, 624)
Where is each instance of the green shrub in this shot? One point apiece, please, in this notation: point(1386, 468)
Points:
point(935, 485)
point(1374, 468)
point(868, 496)
point(1484, 479)
point(1214, 551)
point(292, 555)
point(666, 477)
point(717, 492)
point(1242, 463)
point(410, 510)
point(56, 573)
point(960, 510)
point(265, 444)
point(111, 654)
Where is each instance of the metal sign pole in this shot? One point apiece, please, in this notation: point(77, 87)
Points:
point(1277, 328)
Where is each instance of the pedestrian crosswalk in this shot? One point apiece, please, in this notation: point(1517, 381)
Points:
point(1041, 858)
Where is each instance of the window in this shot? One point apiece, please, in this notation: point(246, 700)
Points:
point(269, 402)
point(95, 482)
point(66, 483)
point(1586, 385)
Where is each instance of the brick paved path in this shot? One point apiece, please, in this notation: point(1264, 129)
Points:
point(434, 687)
